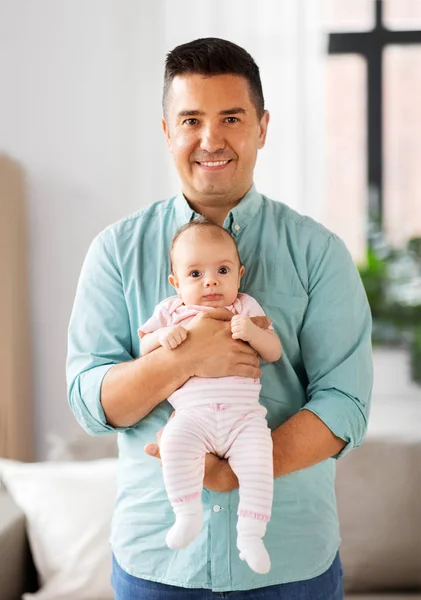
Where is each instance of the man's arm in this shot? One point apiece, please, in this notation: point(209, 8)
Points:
point(131, 390)
point(301, 442)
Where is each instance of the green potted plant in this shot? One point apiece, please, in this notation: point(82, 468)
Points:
point(392, 280)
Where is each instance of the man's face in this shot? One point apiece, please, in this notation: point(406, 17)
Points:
point(214, 133)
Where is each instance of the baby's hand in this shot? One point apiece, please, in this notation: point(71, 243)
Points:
point(171, 337)
point(242, 328)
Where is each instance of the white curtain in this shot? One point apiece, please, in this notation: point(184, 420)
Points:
point(286, 40)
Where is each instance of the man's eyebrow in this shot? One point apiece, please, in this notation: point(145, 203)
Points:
point(191, 113)
point(233, 111)
point(199, 113)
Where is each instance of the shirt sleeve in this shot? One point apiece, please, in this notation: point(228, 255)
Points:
point(335, 341)
point(99, 336)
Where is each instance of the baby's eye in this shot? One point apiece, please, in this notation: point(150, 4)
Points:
point(223, 270)
point(195, 274)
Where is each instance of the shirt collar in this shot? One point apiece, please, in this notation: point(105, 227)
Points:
point(237, 219)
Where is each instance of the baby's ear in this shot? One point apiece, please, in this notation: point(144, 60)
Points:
point(240, 274)
point(173, 281)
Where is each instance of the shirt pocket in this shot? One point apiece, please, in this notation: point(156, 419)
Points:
point(286, 311)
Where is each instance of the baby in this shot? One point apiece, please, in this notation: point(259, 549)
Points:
point(218, 415)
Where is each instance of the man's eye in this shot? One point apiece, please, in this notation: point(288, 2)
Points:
point(195, 274)
point(231, 120)
point(191, 122)
point(223, 270)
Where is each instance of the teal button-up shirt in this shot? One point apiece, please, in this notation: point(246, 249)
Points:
point(306, 282)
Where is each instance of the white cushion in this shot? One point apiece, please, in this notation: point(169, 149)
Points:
point(68, 507)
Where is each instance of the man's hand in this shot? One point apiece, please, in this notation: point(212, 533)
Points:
point(219, 477)
point(242, 328)
point(213, 351)
point(171, 337)
point(262, 322)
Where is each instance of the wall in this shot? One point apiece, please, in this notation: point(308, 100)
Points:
point(80, 111)
point(77, 114)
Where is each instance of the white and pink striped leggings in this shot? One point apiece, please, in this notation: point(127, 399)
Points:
point(237, 432)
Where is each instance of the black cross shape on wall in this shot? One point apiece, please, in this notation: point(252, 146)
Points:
point(371, 44)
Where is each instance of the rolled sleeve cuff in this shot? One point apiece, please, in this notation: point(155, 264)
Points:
point(343, 415)
point(85, 402)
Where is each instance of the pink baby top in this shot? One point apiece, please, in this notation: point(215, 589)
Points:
point(203, 390)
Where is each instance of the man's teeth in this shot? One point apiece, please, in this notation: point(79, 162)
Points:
point(215, 164)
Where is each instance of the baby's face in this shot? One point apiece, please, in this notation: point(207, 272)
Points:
point(206, 268)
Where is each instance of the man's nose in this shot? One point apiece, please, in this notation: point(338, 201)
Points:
point(212, 140)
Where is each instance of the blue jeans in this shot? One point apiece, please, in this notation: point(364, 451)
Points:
point(327, 586)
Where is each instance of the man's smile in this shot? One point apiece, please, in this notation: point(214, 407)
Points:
point(216, 165)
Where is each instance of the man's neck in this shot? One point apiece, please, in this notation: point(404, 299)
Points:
point(216, 209)
point(214, 213)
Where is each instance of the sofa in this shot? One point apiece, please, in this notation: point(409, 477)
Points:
point(378, 491)
point(17, 570)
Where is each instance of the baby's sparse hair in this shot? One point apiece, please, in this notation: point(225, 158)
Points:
point(200, 222)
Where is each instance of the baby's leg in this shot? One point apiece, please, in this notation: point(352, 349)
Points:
point(183, 452)
point(251, 458)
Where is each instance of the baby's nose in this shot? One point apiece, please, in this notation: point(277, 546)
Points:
point(211, 282)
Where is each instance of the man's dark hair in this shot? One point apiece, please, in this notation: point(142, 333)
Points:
point(201, 223)
point(213, 56)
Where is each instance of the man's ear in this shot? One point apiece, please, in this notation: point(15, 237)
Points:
point(173, 281)
point(263, 129)
point(166, 130)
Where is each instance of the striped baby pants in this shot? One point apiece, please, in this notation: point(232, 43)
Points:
point(237, 432)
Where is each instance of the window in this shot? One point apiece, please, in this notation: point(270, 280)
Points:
point(373, 96)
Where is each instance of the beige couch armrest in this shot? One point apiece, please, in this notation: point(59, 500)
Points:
point(378, 492)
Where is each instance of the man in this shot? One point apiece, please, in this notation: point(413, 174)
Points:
point(317, 395)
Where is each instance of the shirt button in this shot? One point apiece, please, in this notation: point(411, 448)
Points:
point(237, 227)
point(216, 508)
